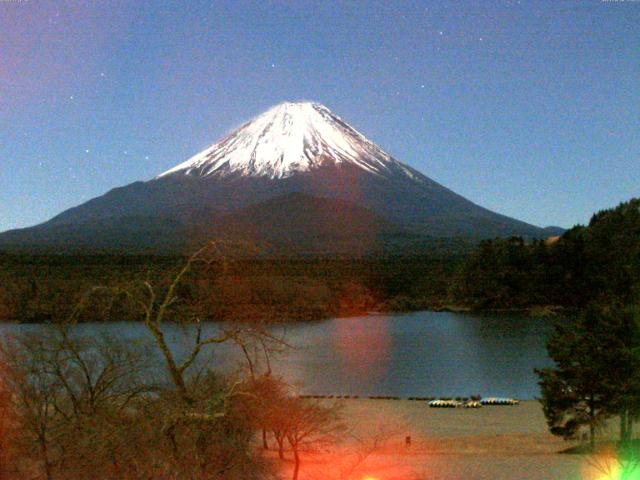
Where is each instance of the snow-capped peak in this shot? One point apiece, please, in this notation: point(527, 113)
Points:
point(289, 138)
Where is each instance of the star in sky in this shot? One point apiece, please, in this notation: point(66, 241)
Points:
point(508, 80)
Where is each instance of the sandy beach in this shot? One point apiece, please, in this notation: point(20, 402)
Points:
point(489, 443)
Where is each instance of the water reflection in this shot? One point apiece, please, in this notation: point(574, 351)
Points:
point(363, 349)
point(421, 354)
point(417, 354)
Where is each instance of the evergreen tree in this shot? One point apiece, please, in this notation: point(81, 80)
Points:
point(596, 373)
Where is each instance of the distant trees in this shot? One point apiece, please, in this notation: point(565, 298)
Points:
point(7, 305)
point(44, 288)
point(599, 262)
point(514, 274)
point(612, 251)
point(494, 276)
point(596, 373)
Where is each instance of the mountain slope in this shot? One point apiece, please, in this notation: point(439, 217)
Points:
point(294, 148)
point(294, 224)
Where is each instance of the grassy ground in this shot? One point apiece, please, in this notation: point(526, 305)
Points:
point(490, 443)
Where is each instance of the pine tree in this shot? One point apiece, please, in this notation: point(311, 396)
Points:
point(596, 372)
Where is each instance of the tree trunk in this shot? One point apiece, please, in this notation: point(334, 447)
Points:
point(45, 458)
point(170, 362)
point(592, 423)
point(265, 444)
point(296, 465)
point(624, 434)
point(280, 447)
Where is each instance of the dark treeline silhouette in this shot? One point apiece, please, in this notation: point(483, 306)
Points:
point(600, 261)
point(596, 374)
point(595, 263)
point(43, 288)
point(595, 349)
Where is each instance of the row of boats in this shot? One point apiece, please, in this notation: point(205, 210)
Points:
point(450, 403)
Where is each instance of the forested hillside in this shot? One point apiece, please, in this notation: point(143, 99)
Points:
point(47, 287)
point(599, 262)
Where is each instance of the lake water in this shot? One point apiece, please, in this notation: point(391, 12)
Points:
point(416, 354)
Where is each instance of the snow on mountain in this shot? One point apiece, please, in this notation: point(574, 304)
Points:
point(289, 138)
point(296, 177)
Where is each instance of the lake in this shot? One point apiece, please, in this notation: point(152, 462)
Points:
point(416, 354)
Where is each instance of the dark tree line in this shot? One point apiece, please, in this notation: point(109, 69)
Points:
point(599, 262)
point(596, 351)
point(44, 288)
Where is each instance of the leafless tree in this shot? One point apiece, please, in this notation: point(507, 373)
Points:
point(364, 447)
point(197, 416)
point(262, 403)
point(59, 386)
point(309, 423)
point(87, 404)
point(162, 305)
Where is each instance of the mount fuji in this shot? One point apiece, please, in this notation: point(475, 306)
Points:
point(297, 177)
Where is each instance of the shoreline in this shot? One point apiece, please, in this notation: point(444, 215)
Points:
point(489, 443)
point(548, 311)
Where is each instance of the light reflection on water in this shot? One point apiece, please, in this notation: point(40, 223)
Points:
point(416, 354)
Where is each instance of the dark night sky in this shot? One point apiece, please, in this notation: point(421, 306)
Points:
point(529, 108)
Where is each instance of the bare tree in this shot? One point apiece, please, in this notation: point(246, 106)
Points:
point(364, 447)
point(264, 390)
point(309, 423)
point(64, 387)
point(259, 346)
point(33, 392)
point(262, 406)
point(85, 406)
point(162, 305)
point(197, 417)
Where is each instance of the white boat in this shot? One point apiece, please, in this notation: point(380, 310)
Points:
point(499, 401)
point(444, 403)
